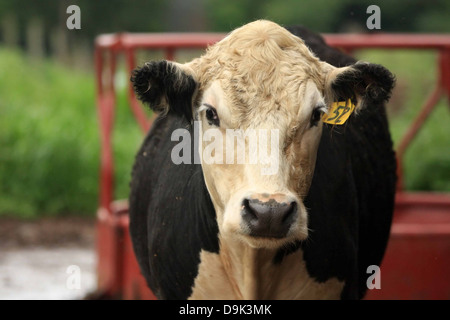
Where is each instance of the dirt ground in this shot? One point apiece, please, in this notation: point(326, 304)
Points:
point(48, 232)
point(50, 258)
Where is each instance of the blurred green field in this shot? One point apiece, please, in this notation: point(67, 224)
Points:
point(49, 134)
point(49, 139)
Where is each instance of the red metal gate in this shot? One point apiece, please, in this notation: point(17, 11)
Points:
point(417, 261)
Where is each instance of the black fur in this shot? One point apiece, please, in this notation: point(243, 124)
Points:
point(171, 214)
point(371, 82)
point(161, 84)
point(350, 202)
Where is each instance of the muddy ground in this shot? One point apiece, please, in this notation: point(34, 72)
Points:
point(51, 258)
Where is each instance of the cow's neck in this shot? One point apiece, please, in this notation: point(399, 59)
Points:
point(241, 272)
point(241, 266)
point(250, 270)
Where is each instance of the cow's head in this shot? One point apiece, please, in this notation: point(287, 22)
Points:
point(262, 87)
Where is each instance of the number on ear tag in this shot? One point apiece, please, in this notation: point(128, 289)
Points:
point(339, 112)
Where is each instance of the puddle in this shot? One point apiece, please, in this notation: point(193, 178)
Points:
point(47, 273)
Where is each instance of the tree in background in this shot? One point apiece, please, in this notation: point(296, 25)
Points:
point(332, 16)
point(107, 16)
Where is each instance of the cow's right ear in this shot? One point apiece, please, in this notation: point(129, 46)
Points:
point(165, 86)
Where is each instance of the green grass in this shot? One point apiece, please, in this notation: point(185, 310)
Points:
point(49, 140)
point(50, 143)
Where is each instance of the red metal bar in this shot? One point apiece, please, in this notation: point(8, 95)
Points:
point(444, 67)
point(106, 103)
point(202, 40)
point(108, 235)
point(389, 41)
point(158, 40)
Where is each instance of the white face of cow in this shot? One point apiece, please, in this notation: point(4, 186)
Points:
point(265, 99)
point(259, 95)
point(258, 190)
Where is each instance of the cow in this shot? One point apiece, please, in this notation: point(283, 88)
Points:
point(230, 230)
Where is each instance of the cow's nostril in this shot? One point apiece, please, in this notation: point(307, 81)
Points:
point(268, 218)
point(248, 210)
point(292, 209)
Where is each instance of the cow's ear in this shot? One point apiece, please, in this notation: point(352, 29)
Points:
point(165, 86)
point(364, 83)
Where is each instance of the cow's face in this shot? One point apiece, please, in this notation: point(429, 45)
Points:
point(262, 166)
point(258, 97)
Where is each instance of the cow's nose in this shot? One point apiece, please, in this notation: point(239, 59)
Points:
point(271, 218)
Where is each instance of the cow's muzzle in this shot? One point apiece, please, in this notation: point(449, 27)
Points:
point(268, 216)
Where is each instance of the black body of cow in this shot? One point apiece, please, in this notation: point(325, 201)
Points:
point(350, 201)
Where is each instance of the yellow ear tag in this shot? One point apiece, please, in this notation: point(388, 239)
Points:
point(339, 112)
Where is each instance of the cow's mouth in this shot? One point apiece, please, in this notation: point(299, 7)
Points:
point(269, 242)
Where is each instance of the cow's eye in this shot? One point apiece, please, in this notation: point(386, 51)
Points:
point(212, 117)
point(316, 115)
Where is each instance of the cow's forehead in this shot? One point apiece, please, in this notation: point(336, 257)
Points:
point(260, 65)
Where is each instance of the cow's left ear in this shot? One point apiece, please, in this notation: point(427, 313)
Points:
point(165, 86)
point(364, 83)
